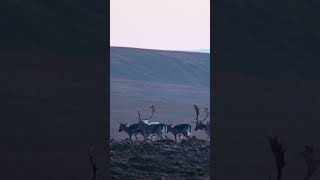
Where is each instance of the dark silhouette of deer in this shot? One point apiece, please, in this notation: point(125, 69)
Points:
point(151, 128)
point(199, 123)
point(132, 130)
point(180, 129)
point(158, 130)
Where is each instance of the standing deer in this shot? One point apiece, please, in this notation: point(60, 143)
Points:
point(199, 123)
point(133, 129)
point(159, 130)
point(184, 129)
point(151, 128)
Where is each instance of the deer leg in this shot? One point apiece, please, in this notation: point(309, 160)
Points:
point(186, 135)
point(144, 137)
point(161, 136)
point(166, 136)
point(178, 137)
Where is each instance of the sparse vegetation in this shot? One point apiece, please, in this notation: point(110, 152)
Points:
point(163, 159)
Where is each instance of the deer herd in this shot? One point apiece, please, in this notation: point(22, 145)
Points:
point(152, 130)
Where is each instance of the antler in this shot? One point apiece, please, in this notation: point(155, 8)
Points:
point(153, 110)
point(206, 110)
point(197, 112)
point(139, 115)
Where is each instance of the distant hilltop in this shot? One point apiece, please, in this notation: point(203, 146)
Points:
point(202, 50)
point(160, 66)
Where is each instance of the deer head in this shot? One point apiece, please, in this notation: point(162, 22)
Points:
point(122, 126)
point(199, 123)
point(169, 127)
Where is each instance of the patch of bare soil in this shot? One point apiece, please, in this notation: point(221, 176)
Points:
point(163, 159)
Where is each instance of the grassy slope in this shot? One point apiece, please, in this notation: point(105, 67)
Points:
point(173, 81)
point(162, 159)
point(160, 66)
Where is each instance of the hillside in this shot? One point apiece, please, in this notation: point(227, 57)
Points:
point(172, 81)
point(173, 67)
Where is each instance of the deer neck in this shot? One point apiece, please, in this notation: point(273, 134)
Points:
point(126, 129)
point(170, 129)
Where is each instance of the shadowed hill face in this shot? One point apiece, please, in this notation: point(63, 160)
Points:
point(184, 68)
point(65, 26)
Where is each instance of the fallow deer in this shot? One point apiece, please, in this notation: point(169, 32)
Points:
point(180, 129)
point(151, 128)
point(199, 123)
point(133, 129)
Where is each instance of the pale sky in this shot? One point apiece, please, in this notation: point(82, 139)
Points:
point(160, 24)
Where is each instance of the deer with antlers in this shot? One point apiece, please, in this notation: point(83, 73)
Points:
point(199, 123)
point(151, 128)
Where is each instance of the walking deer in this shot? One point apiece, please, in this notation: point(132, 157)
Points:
point(133, 129)
point(151, 128)
point(180, 129)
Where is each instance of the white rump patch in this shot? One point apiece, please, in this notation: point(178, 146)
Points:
point(149, 123)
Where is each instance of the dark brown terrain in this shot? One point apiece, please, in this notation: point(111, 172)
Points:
point(160, 160)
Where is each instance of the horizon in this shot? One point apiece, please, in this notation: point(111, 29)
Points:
point(207, 51)
point(142, 24)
